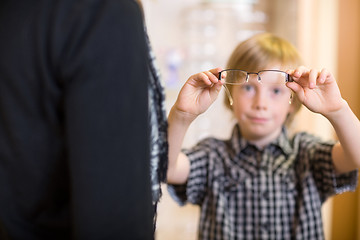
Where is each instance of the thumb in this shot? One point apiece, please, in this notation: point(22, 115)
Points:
point(295, 87)
point(215, 90)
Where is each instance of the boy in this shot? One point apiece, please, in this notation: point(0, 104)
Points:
point(261, 184)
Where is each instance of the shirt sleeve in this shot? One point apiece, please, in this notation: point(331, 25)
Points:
point(102, 64)
point(195, 188)
point(328, 182)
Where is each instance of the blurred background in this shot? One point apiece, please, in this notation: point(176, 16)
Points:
point(189, 36)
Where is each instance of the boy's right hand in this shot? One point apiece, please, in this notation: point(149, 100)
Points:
point(198, 93)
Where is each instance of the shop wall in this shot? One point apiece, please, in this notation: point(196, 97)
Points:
point(346, 207)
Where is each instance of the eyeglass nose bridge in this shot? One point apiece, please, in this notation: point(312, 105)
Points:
point(256, 73)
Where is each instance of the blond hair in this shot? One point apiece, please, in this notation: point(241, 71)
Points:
point(259, 52)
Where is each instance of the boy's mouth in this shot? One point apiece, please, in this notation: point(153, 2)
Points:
point(259, 120)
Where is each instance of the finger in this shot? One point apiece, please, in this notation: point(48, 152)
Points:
point(215, 89)
point(313, 76)
point(199, 78)
point(324, 74)
point(295, 87)
point(216, 71)
point(290, 71)
point(299, 72)
point(212, 75)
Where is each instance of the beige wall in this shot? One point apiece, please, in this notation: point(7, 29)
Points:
point(329, 36)
point(346, 208)
point(317, 43)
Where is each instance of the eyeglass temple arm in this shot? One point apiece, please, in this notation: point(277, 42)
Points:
point(231, 101)
point(227, 91)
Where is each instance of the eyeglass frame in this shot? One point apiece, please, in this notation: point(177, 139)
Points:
point(288, 78)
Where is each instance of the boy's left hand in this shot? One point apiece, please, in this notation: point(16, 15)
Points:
point(317, 90)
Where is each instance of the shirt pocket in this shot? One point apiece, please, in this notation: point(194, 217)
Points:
point(232, 185)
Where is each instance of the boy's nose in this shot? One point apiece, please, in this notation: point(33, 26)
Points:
point(260, 101)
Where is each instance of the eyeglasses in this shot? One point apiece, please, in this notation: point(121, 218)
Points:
point(238, 77)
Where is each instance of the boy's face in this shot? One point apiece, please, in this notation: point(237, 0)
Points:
point(261, 109)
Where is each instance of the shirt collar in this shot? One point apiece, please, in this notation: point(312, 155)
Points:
point(239, 143)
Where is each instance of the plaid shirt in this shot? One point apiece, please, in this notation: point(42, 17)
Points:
point(273, 193)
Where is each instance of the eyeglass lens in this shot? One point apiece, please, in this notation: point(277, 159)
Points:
point(238, 77)
point(235, 77)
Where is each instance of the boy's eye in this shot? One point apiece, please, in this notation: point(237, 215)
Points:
point(277, 91)
point(247, 87)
